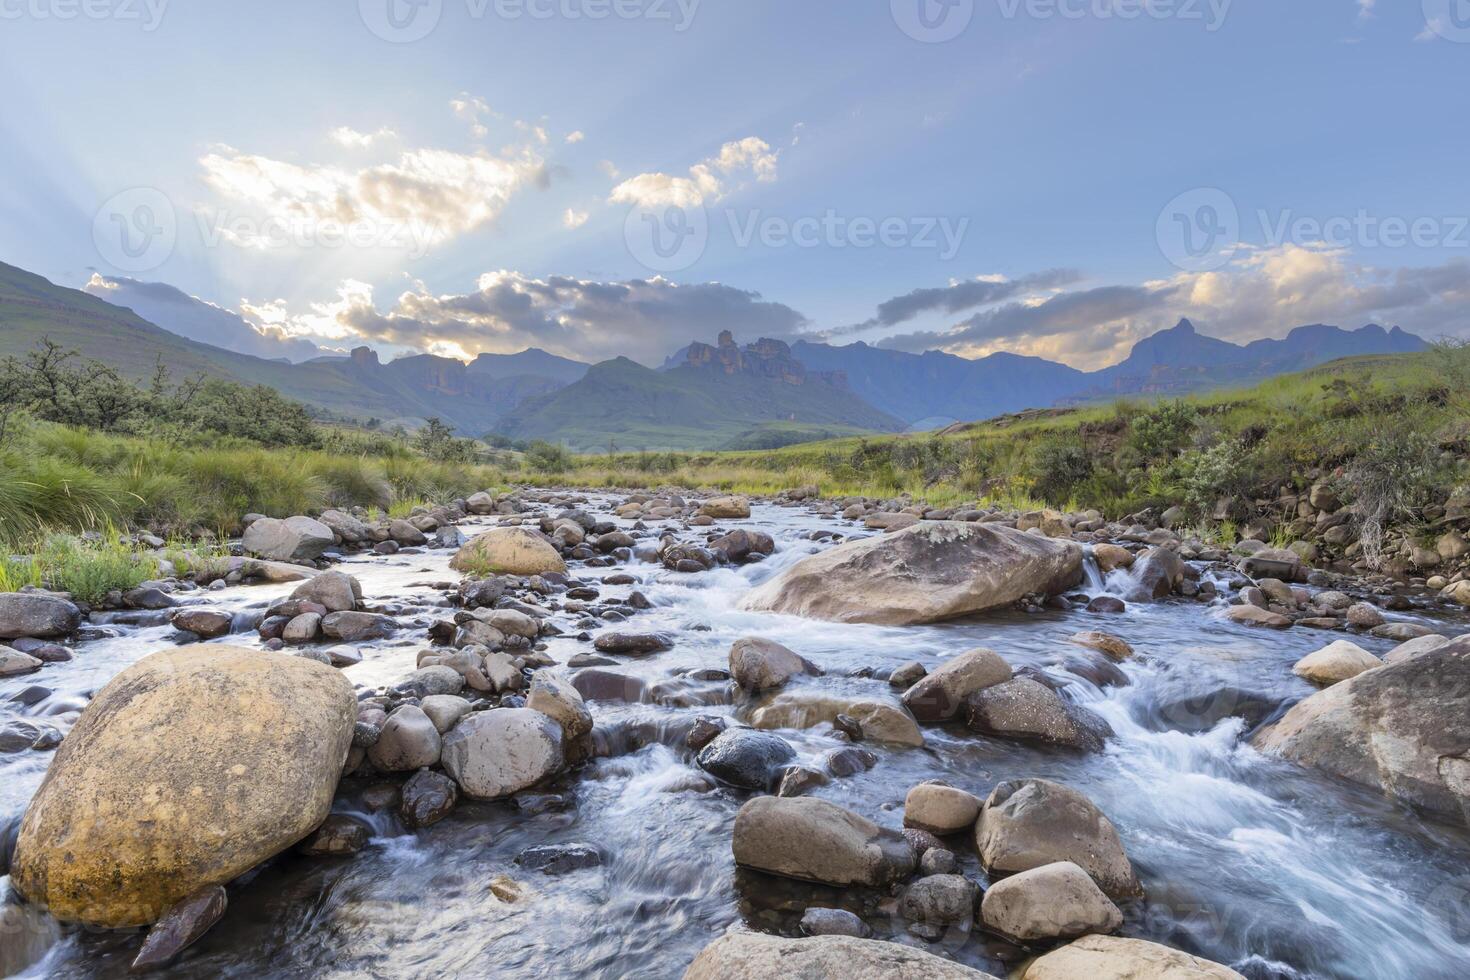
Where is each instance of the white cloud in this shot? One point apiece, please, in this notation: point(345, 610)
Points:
point(353, 139)
point(576, 136)
point(707, 180)
point(609, 168)
point(574, 218)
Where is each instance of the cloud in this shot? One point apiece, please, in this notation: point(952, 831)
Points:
point(574, 218)
point(959, 296)
point(576, 136)
point(707, 180)
point(352, 139)
point(587, 320)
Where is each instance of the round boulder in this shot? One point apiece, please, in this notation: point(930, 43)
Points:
point(496, 753)
point(508, 551)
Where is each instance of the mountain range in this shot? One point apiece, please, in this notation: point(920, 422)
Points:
point(705, 396)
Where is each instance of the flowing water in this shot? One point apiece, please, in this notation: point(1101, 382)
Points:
point(1247, 860)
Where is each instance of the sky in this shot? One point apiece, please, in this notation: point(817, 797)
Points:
point(1058, 178)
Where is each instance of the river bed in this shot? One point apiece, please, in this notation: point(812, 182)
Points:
point(1277, 871)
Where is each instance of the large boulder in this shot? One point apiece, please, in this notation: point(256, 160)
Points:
point(880, 721)
point(722, 508)
point(758, 664)
point(1156, 574)
point(812, 840)
point(1403, 728)
point(933, 571)
point(1030, 823)
point(496, 753)
point(754, 956)
point(1334, 663)
point(940, 694)
point(294, 539)
point(1026, 709)
point(409, 741)
point(348, 528)
point(1112, 958)
point(36, 614)
point(337, 591)
point(746, 758)
point(186, 770)
point(1054, 901)
point(508, 551)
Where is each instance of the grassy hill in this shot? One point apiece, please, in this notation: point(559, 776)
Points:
point(621, 402)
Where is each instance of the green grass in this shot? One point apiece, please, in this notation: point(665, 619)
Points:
point(88, 568)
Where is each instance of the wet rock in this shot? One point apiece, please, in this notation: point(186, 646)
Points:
point(1115, 647)
point(704, 730)
point(1256, 616)
point(333, 591)
point(877, 721)
point(207, 624)
point(833, 922)
point(1025, 709)
point(941, 694)
point(907, 676)
point(689, 559)
point(1028, 823)
point(1108, 956)
point(302, 629)
point(356, 627)
point(607, 685)
point(508, 551)
point(428, 681)
point(13, 663)
point(293, 539)
point(812, 840)
point(725, 508)
point(37, 615)
point(1111, 556)
point(1364, 615)
point(444, 710)
point(1401, 632)
point(428, 797)
point(746, 758)
point(338, 836)
point(633, 644)
point(1054, 901)
point(742, 546)
point(559, 859)
point(940, 809)
point(1156, 574)
point(800, 780)
point(407, 742)
point(406, 535)
point(754, 956)
point(562, 702)
point(1403, 728)
point(940, 900)
point(758, 664)
point(1335, 662)
point(181, 926)
point(1107, 604)
point(849, 761)
point(496, 753)
point(179, 743)
point(930, 572)
point(938, 861)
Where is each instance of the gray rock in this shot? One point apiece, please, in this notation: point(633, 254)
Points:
point(294, 539)
point(37, 615)
point(753, 956)
point(758, 664)
point(746, 758)
point(496, 753)
point(812, 840)
point(355, 627)
point(559, 859)
point(407, 742)
point(941, 693)
point(1054, 901)
point(940, 900)
point(833, 922)
point(182, 925)
point(336, 591)
point(428, 797)
point(1026, 709)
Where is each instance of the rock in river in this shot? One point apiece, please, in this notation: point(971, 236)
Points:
point(754, 956)
point(508, 551)
point(745, 758)
point(1112, 958)
point(294, 539)
point(496, 753)
point(187, 769)
point(1054, 901)
point(939, 695)
point(758, 664)
point(812, 840)
point(1026, 709)
point(36, 614)
point(930, 572)
point(1335, 662)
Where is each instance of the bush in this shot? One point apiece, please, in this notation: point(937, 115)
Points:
point(1057, 469)
point(1226, 469)
point(1164, 430)
point(548, 457)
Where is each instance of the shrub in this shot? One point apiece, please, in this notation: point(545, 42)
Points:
point(1057, 469)
point(1164, 430)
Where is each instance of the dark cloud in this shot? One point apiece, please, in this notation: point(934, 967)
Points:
point(959, 297)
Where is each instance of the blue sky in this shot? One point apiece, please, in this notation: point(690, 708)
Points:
point(829, 163)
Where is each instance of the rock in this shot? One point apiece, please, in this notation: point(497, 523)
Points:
point(1107, 604)
point(294, 539)
point(1111, 958)
point(180, 927)
point(1335, 662)
point(444, 710)
point(633, 644)
point(480, 503)
point(754, 956)
point(759, 664)
point(878, 722)
point(13, 663)
point(833, 922)
point(940, 900)
point(428, 797)
point(812, 840)
point(1364, 615)
point(345, 526)
point(559, 859)
point(496, 753)
point(725, 508)
point(1414, 647)
point(355, 627)
point(406, 534)
point(742, 546)
point(38, 615)
point(1054, 901)
point(508, 551)
point(940, 809)
point(798, 780)
point(302, 628)
point(336, 591)
point(1027, 709)
point(190, 767)
point(1403, 729)
point(338, 836)
point(941, 693)
point(1111, 556)
point(1256, 616)
point(435, 679)
point(562, 703)
point(607, 685)
point(408, 741)
point(1322, 497)
point(1028, 823)
point(208, 624)
point(1156, 574)
point(930, 572)
point(1401, 632)
point(908, 675)
point(746, 758)
point(510, 622)
point(1458, 592)
point(938, 861)
point(1114, 647)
